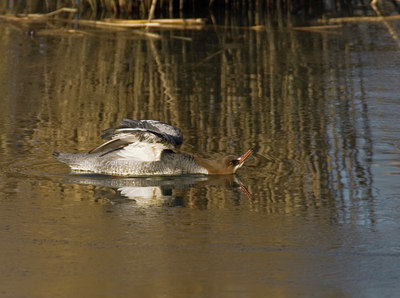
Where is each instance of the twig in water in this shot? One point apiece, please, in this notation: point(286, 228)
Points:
point(390, 29)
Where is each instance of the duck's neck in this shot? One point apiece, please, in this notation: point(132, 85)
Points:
point(214, 167)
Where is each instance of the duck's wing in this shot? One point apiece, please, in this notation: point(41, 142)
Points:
point(169, 133)
point(142, 140)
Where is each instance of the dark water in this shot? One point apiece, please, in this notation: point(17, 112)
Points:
point(314, 212)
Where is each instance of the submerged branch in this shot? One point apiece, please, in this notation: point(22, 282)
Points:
point(389, 27)
point(318, 28)
point(379, 18)
point(165, 23)
point(363, 19)
point(194, 24)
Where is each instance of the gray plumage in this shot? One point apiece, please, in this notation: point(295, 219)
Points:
point(170, 164)
point(136, 148)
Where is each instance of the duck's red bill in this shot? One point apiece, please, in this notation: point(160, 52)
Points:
point(245, 156)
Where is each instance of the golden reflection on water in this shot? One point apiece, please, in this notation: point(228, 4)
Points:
point(295, 98)
point(279, 93)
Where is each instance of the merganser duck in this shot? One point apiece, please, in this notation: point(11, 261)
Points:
point(145, 148)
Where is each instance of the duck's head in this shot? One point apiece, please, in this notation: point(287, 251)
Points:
point(226, 165)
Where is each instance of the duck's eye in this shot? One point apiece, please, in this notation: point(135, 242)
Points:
point(234, 162)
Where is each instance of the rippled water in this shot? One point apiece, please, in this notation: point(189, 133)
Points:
point(314, 212)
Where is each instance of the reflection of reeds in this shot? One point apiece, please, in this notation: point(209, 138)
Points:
point(286, 94)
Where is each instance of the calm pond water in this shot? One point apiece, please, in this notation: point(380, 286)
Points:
point(314, 212)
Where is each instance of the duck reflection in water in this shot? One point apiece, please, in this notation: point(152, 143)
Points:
point(156, 190)
point(145, 148)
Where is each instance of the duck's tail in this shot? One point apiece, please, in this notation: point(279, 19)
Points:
point(75, 161)
point(63, 157)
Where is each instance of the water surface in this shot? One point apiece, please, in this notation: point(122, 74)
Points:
point(314, 212)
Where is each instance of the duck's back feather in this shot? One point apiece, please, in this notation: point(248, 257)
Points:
point(163, 131)
point(142, 140)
